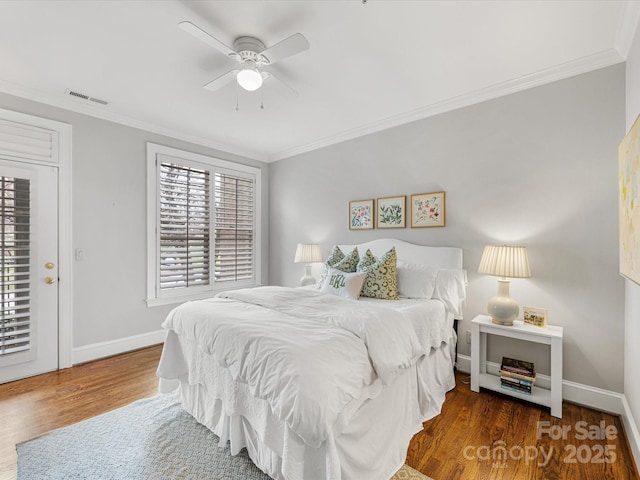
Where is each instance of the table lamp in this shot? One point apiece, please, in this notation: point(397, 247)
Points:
point(506, 261)
point(307, 253)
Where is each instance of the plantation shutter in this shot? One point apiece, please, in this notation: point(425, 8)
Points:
point(234, 227)
point(19, 141)
point(15, 323)
point(184, 228)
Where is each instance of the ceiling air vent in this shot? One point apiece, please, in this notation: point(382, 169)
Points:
point(83, 96)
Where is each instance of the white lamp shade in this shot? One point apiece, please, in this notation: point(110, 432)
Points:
point(507, 261)
point(308, 253)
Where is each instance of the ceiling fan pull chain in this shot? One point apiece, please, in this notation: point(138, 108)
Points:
point(237, 106)
point(262, 99)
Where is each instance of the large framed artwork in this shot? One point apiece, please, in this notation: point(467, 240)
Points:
point(391, 212)
point(428, 210)
point(629, 203)
point(361, 215)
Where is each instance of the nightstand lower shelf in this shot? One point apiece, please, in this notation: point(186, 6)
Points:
point(541, 396)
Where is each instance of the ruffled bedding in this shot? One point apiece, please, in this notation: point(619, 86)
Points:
point(314, 358)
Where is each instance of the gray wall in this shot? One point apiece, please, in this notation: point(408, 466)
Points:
point(537, 167)
point(109, 222)
point(632, 310)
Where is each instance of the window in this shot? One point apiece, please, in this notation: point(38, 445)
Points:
point(203, 228)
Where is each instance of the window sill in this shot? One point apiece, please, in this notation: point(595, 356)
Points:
point(158, 302)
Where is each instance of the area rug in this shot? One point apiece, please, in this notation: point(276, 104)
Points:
point(152, 439)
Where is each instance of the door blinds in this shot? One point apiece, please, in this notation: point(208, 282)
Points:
point(15, 325)
point(190, 210)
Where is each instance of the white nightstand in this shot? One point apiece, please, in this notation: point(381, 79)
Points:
point(481, 326)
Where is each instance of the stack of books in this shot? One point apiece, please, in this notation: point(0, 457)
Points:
point(517, 375)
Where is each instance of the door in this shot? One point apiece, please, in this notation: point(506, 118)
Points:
point(28, 269)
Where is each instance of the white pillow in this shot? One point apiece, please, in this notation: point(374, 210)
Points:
point(451, 289)
point(343, 284)
point(415, 280)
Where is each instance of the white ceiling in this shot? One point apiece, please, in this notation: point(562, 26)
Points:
point(370, 66)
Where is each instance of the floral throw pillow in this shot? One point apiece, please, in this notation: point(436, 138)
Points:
point(382, 276)
point(349, 263)
point(337, 259)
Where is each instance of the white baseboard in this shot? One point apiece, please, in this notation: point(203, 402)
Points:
point(95, 351)
point(592, 397)
point(631, 430)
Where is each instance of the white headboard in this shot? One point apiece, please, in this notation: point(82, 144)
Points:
point(441, 257)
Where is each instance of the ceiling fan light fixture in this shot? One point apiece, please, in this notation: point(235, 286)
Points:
point(249, 77)
point(252, 55)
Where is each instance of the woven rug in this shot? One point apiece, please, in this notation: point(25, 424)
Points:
point(152, 439)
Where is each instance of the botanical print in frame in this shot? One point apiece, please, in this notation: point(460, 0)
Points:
point(391, 212)
point(428, 210)
point(629, 203)
point(361, 215)
point(535, 316)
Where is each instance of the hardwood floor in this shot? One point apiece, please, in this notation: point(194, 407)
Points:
point(467, 441)
point(491, 436)
point(31, 407)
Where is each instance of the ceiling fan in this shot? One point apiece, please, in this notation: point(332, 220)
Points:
point(252, 55)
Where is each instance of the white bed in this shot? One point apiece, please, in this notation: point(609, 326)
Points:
point(315, 386)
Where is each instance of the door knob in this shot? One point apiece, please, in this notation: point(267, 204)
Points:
point(49, 265)
point(49, 280)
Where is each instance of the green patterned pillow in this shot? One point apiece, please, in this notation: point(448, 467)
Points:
point(335, 257)
point(338, 260)
point(382, 276)
point(349, 263)
point(366, 260)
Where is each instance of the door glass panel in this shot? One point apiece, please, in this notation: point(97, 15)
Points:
point(15, 302)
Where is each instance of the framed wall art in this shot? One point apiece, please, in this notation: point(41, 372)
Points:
point(428, 210)
point(391, 212)
point(629, 203)
point(361, 215)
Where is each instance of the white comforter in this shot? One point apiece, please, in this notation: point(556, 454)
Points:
point(313, 357)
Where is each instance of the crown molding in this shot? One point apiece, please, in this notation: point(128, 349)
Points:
point(627, 27)
point(586, 64)
point(630, 18)
point(79, 106)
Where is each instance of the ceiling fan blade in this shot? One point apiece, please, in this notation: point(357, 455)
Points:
point(283, 87)
point(286, 48)
point(206, 38)
point(221, 81)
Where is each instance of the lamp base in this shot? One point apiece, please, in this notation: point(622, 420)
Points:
point(306, 281)
point(504, 324)
point(502, 308)
point(307, 278)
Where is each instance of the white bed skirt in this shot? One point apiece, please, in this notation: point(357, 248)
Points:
point(373, 445)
